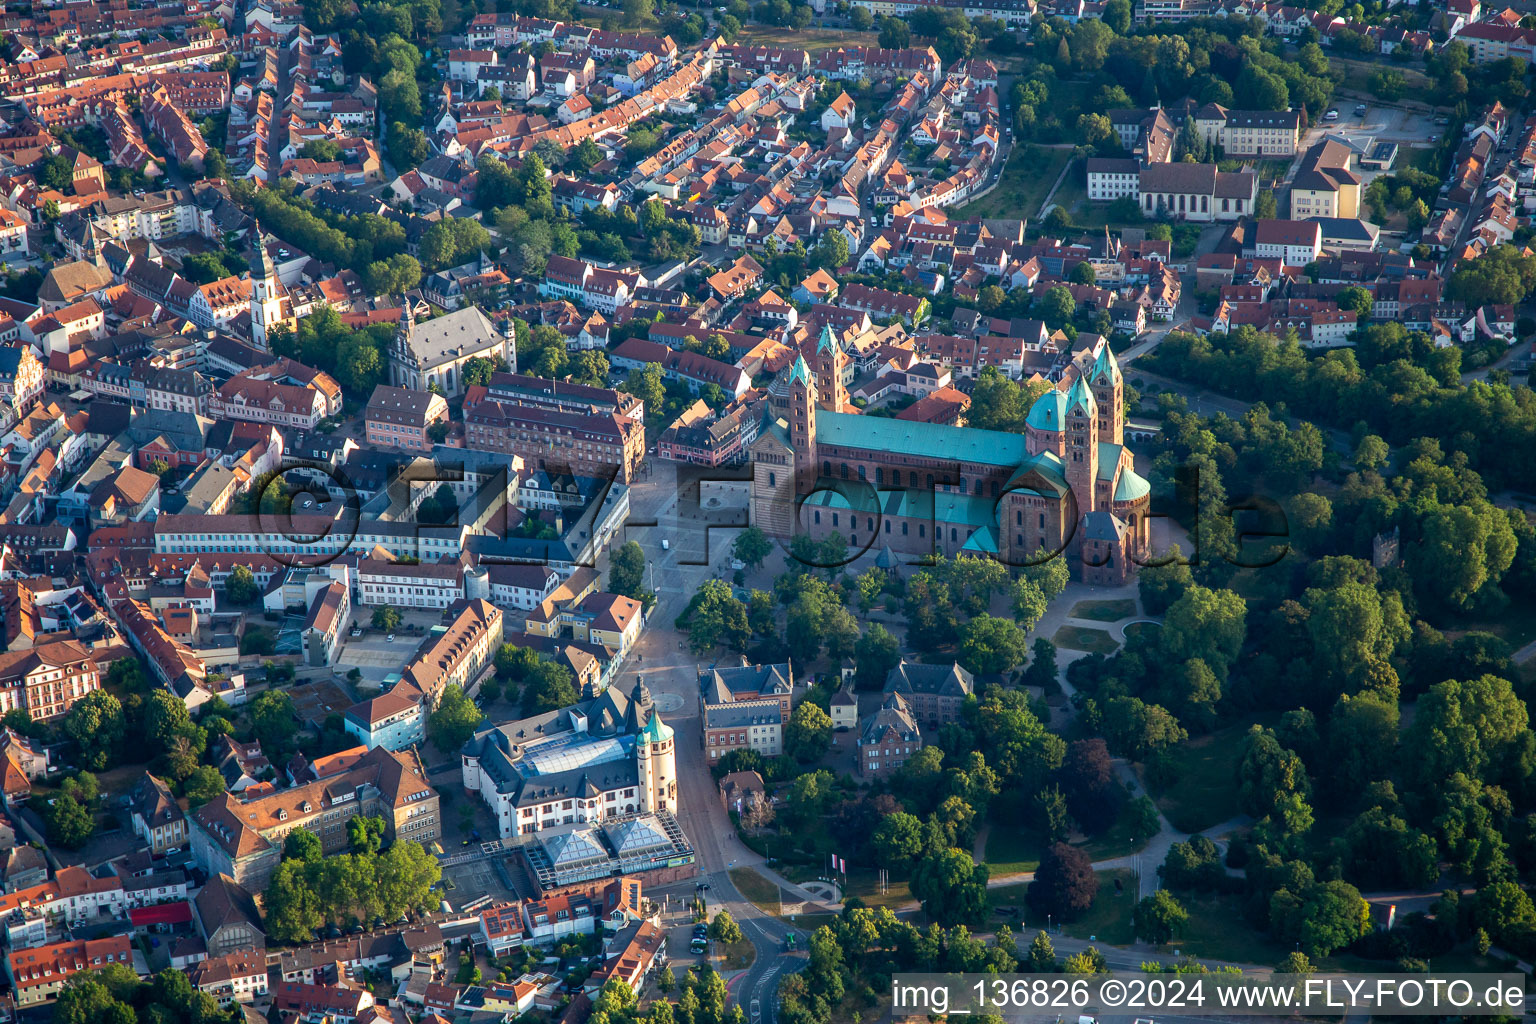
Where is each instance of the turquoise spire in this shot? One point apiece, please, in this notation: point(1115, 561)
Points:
point(1080, 395)
point(799, 371)
point(828, 342)
point(1107, 365)
point(655, 731)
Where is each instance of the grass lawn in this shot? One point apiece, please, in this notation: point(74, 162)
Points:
point(1080, 638)
point(1028, 176)
point(1118, 841)
point(1104, 611)
point(1109, 919)
point(1011, 849)
point(737, 956)
point(1011, 898)
point(1516, 628)
point(813, 40)
point(1138, 628)
point(757, 890)
point(866, 886)
point(1424, 158)
point(1219, 929)
point(1206, 793)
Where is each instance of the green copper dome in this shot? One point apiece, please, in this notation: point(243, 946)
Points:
point(1131, 486)
point(1049, 411)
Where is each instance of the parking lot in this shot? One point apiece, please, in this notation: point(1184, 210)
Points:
point(475, 879)
point(373, 654)
point(1407, 128)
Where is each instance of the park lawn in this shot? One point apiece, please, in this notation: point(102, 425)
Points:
point(1515, 626)
point(1010, 896)
point(1219, 929)
point(1119, 841)
point(1138, 628)
point(1081, 638)
point(1104, 611)
point(757, 890)
point(866, 886)
point(1011, 849)
point(1206, 792)
point(1029, 174)
point(1108, 921)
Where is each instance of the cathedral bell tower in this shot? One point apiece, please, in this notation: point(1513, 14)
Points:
point(1082, 458)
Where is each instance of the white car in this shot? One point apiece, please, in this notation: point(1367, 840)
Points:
point(1332, 115)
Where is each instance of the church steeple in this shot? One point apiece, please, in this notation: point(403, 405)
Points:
point(266, 292)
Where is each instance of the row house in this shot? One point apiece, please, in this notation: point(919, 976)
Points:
point(37, 975)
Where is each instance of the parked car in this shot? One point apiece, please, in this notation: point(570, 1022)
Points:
point(1332, 115)
point(390, 639)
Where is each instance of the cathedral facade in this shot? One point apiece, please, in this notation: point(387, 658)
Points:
point(1065, 486)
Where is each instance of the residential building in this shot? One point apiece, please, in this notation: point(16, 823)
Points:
point(157, 817)
point(887, 739)
point(244, 839)
point(934, 694)
point(37, 975)
point(1294, 242)
point(743, 725)
point(402, 418)
point(1324, 185)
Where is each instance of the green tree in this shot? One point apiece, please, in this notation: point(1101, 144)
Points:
point(626, 573)
point(97, 726)
point(752, 547)
point(1205, 624)
point(725, 929)
point(69, 824)
point(876, 653)
point(1159, 918)
point(715, 616)
point(293, 908)
point(240, 587)
point(303, 845)
point(165, 719)
point(274, 722)
point(454, 720)
point(952, 887)
point(1471, 727)
point(387, 618)
point(204, 784)
point(809, 733)
point(989, 645)
point(897, 840)
point(645, 384)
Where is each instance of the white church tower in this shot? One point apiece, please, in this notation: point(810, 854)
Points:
point(266, 296)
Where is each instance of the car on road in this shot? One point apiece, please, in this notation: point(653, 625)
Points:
point(757, 1011)
point(1360, 109)
point(390, 639)
point(1332, 115)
